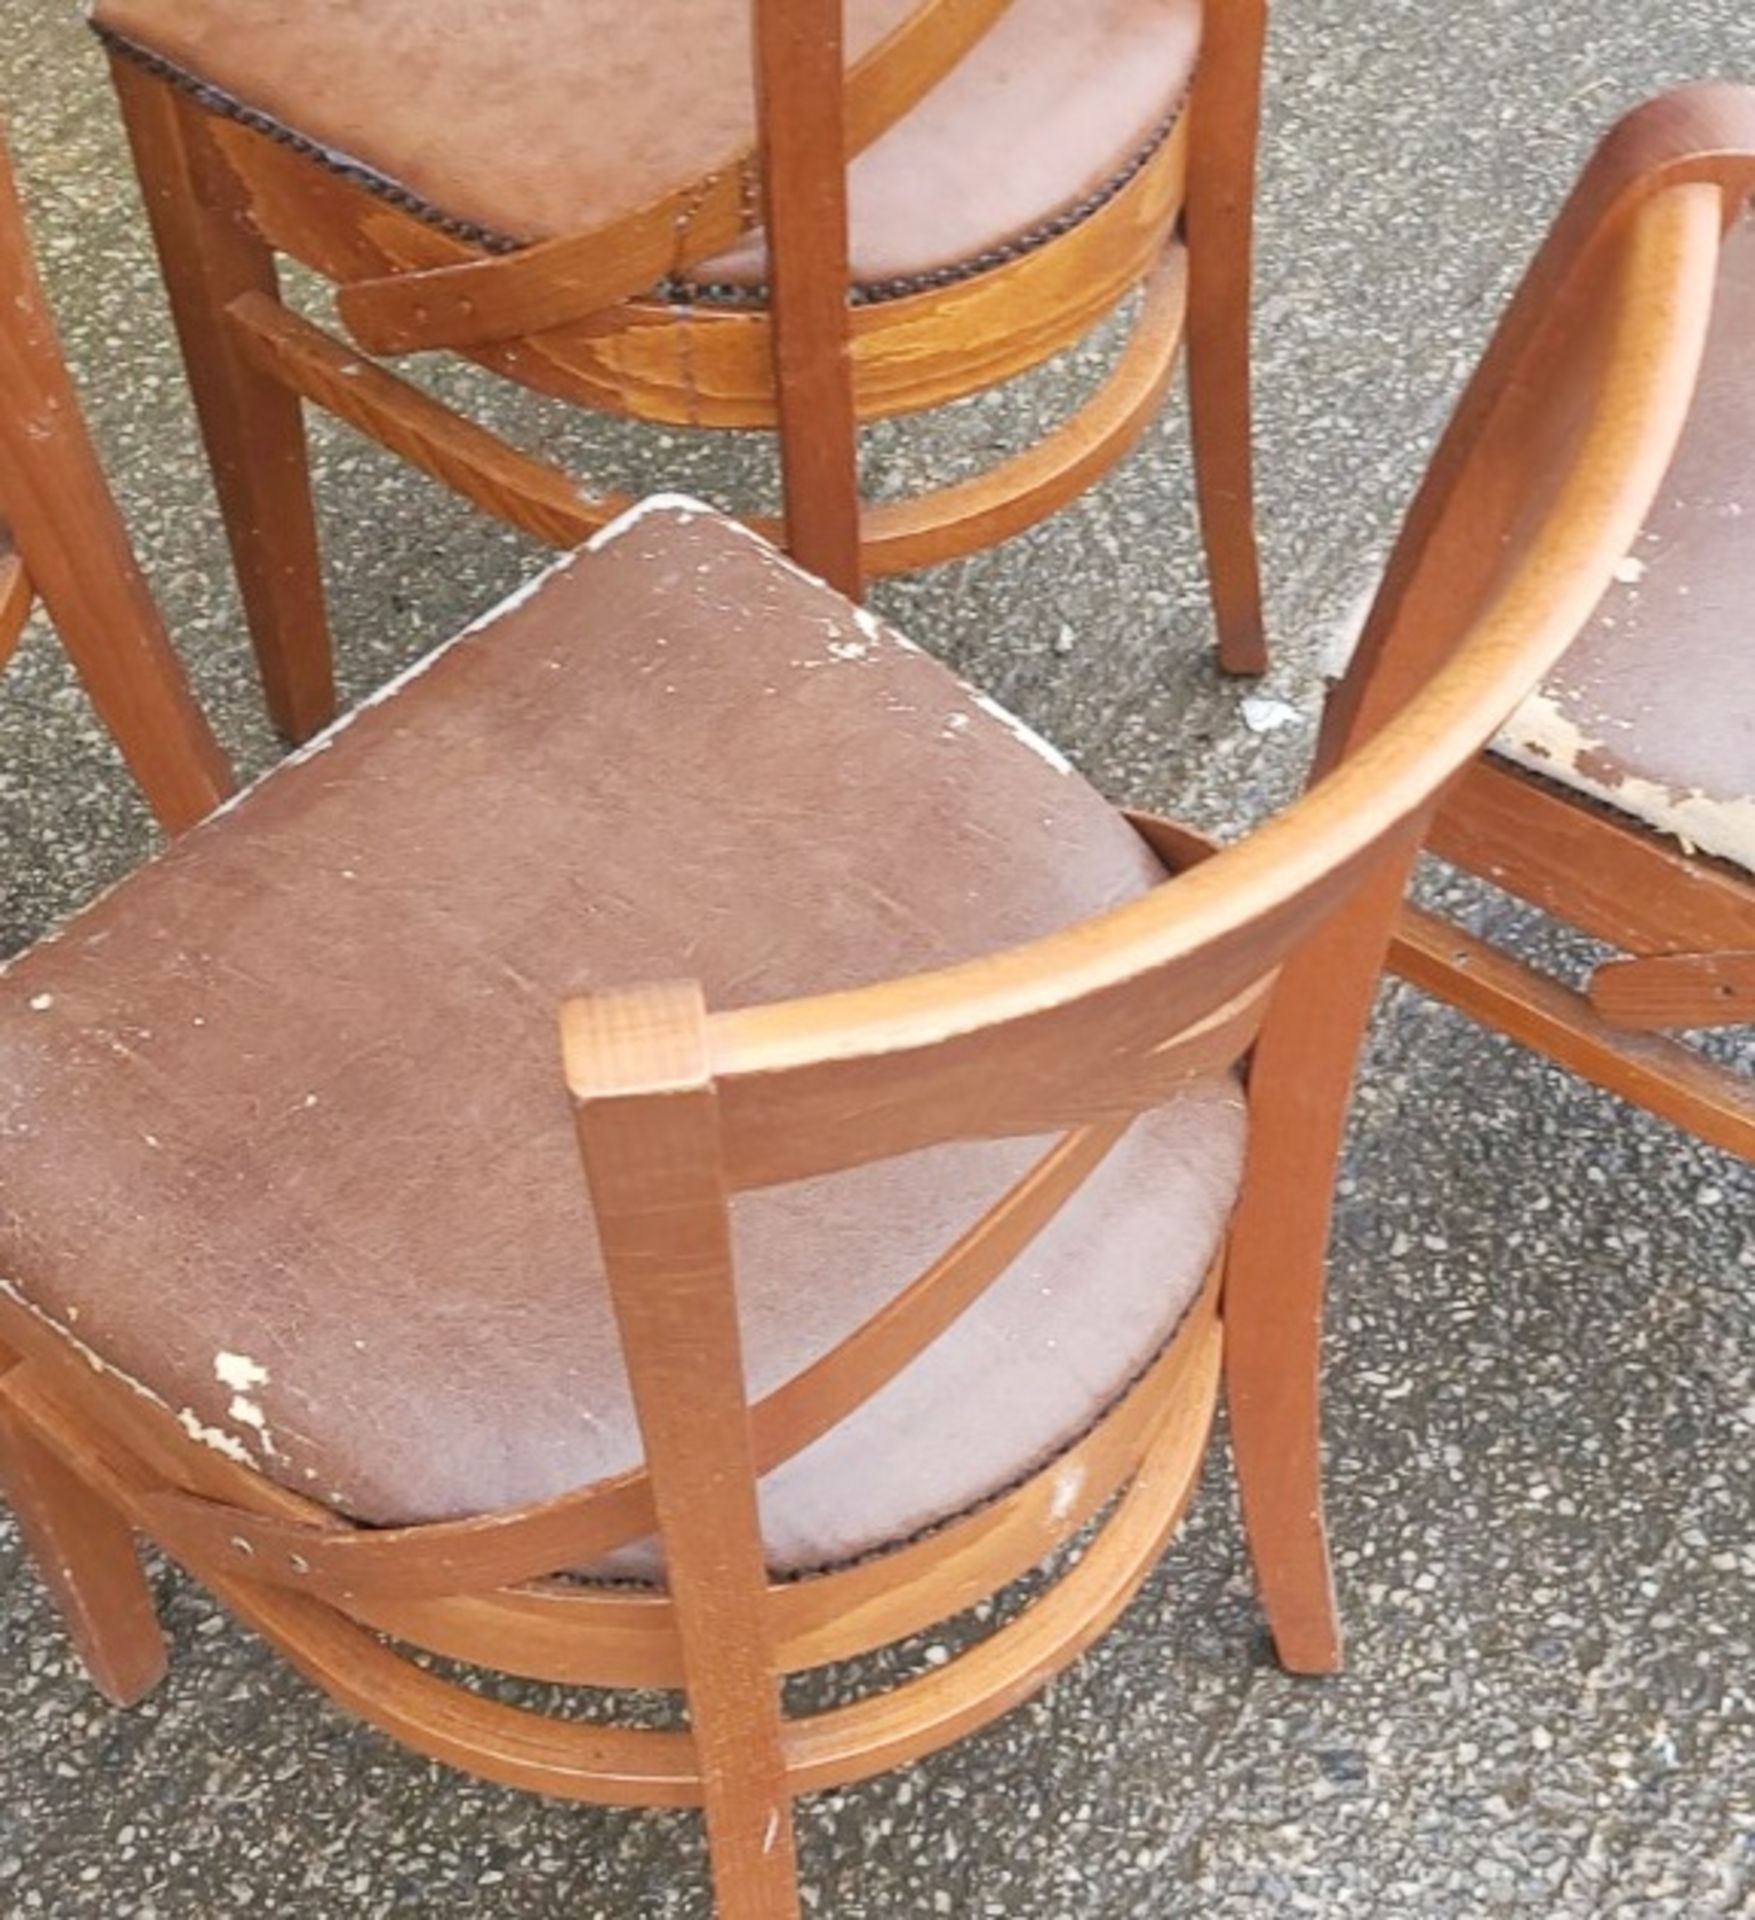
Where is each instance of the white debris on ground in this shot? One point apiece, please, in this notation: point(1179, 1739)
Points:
point(1264, 714)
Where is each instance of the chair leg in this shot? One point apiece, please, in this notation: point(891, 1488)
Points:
point(73, 554)
point(1276, 1266)
point(85, 1553)
point(805, 193)
point(1220, 219)
point(754, 1855)
point(1272, 1359)
point(252, 425)
point(112, 634)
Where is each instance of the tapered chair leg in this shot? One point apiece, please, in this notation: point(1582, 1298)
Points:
point(1273, 1342)
point(1274, 1283)
point(805, 185)
point(253, 426)
point(1276, 1265)
point(1220, 217)
point(85, 1553)
point(1275, 1278)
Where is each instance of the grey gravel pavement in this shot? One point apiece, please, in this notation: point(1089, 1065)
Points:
point(1542, 1406)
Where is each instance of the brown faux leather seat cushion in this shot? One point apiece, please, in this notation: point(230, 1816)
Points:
point(283, 1133)
point(1653, 707)
point(546, 117)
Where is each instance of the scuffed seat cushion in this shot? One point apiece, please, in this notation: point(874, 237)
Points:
point(524, 121)
point(283, 1136)
point(1653, 707)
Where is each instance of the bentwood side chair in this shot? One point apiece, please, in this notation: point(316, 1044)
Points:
point(922, 1215)
point(62, 543)
point(581, 202)
point(1621, 797)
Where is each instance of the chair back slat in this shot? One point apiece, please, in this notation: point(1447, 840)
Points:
point(862, 1365)
point(322, 1556)
point(1108, 1055)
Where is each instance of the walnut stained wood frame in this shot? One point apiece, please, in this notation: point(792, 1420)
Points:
point(640, 316)
point(63, 543)
point(1611, 855)
point(1262, 954)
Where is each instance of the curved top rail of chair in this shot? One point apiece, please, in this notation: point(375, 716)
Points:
point(491, 298)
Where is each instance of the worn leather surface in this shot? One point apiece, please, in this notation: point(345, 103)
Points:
point(532, 118)
point(283, 1134)
point(1653, 707)
point(1044, 111)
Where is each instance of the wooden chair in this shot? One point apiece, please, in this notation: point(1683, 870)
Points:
point(578, 209)
point(923, 1222)
point(63, 543)
point(1621, 797)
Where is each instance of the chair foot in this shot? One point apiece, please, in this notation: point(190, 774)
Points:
point(1274, 1285)
point(1275, 1446)
point(1243, 646)
point(1219, 419)
point(85, 1553)
point(755, 1864)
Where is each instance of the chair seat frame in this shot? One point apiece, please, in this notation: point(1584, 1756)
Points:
point(1682, 926)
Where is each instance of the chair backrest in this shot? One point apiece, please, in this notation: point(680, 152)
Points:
point(69, 547)
point(1273, 945)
